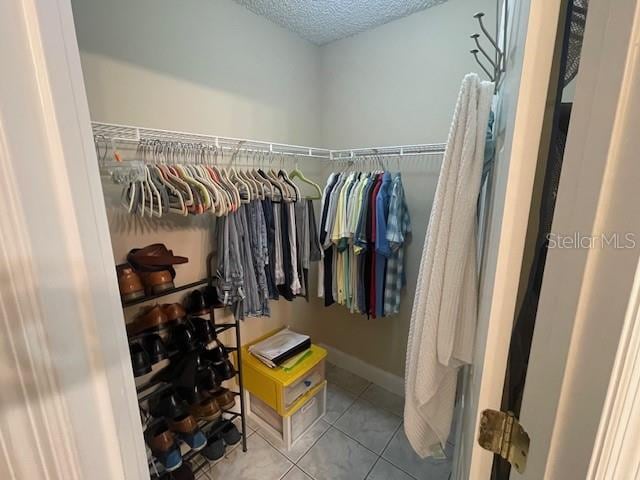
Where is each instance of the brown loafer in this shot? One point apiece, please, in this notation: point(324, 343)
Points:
point(152, 318)
point(175, 312)
point(157, 282)
point(224, 398)
point(186, 428)
point(206, 409)
point(130, 284)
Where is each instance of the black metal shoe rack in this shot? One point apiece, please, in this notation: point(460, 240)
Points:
point(152, 389)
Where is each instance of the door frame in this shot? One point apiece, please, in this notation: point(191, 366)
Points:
point(68, 399)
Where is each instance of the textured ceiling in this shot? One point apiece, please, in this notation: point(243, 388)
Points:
point(323, 21)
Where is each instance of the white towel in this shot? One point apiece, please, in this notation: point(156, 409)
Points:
point(444, 313)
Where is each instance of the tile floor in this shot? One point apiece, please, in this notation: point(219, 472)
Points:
point(360, 437)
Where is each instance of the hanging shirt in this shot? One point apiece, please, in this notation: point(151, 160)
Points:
point(398, 229)
point(382, 245)
point(279, 265)
point(325, 272)
point(372, 248)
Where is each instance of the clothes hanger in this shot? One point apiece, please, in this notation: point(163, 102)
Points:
point(272, 178)
point(184, 171)
point(128, 197)
point(200, 174)
point(293, 188)
point(231, 187)
point(266, 184)
point(155, 195)
point(243, 188)
point(222, 203)
point(297, 173)
point(176, 200)
point(162, 154)
point(284, 189)
point(257, 180)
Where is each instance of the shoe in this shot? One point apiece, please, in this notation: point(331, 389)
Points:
point(167, 405)
point(186, 428)
point(230, 433)
point(164, 446)
point(208, 379)
point(183, 338)
point(151, 319)
point(154, 258)
point(130, 284)
point(215, 447)
point(175, 312)
point(193, 394)
point(206, 409)
point(154, 264)
point(204, 330)
point(225, 369)
point(224, 398)
point(157, 282)
point(185, 472)
point(215, 352)
point(210, 294)
point(139, 360)
point(154, 346)
point(197, 306)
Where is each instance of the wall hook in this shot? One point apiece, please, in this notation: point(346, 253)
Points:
point(475, 37)
point(479, 16)
point(475, 55)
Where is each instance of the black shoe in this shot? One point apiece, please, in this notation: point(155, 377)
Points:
point(154, 346)
point(215, 447)
point(168, 405)
point(207, 378)
point(194, 394)
point(211, 298)
point(204, 330)
point(139, 360)
point(183, 338)
point(224, 369)
point(197, 306)
point(230, 433)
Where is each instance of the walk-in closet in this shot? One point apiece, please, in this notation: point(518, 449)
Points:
point(299, 212)
point(264, 170)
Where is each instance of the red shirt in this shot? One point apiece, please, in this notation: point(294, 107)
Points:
point(372, 257)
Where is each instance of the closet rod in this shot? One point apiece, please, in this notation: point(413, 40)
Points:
point(132, 134)
point(396, 151)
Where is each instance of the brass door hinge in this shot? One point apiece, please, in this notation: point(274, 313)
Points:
point(502, 434)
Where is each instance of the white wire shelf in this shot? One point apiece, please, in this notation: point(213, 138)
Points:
point(128, 134)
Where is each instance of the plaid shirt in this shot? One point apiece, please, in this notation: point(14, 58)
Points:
point(398, 228)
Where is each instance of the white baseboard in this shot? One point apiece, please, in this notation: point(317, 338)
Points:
point(376, 375)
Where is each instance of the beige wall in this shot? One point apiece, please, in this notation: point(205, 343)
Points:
point(198, 66)
point(396, 84)
point(207, 66)
point(214, 67)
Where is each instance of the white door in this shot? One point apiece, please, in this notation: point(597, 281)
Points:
point(585, 293)
point(68, 400)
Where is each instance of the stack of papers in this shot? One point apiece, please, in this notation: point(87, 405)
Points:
point(280, 347)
